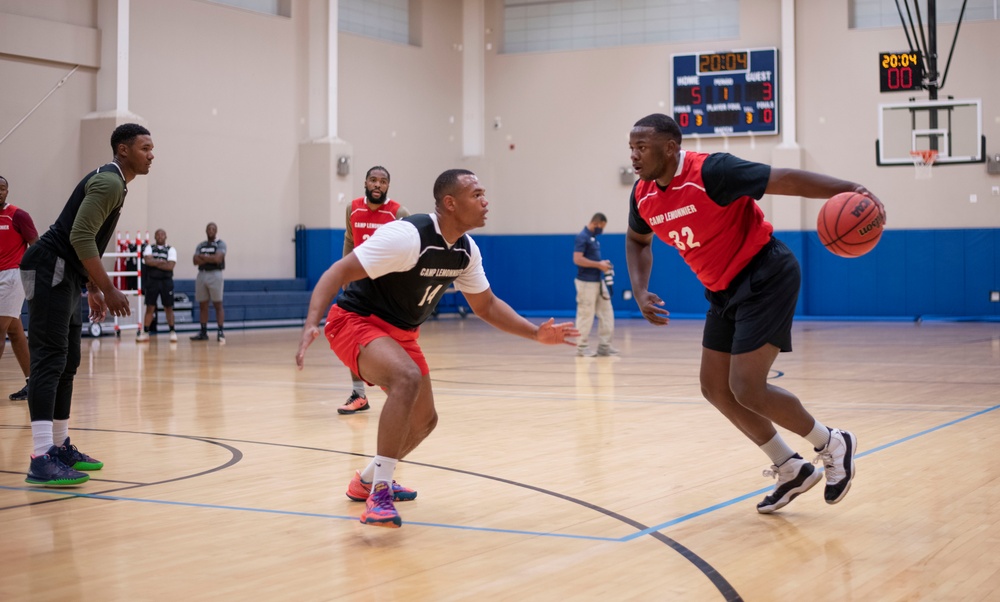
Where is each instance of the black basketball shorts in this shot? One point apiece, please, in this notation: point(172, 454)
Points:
point(162, 289)
point(758, 306)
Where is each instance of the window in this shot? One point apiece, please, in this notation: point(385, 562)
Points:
point(551, 25)
point(868, 14)
point(280, 8)
point(381, 19)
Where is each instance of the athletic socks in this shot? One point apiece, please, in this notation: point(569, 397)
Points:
point(777, 450)
point(819, 436)
point(41, 436)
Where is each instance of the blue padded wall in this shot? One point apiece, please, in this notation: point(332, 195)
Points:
point(911, 273)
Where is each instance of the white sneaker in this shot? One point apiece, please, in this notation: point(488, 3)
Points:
point(795, 476)
point(142, 337)
point(173, 336)
point(606, 351)
point(838, 461)
point(585, 352)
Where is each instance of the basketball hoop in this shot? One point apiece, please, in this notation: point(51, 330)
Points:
point(923, 161)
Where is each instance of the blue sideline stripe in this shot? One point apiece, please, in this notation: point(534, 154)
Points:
point(626, 538)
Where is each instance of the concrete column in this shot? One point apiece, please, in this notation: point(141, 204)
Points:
point(473, 77)
point(786, 213)
point(325, 160)
point(112, 111)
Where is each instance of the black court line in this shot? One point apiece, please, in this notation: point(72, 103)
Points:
point(716, 578)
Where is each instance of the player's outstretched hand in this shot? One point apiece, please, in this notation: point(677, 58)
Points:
point(551, 333)
point(309, 334)
point(651, 307)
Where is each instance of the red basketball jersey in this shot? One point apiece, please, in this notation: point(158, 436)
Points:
point(364, 221)
point(16, 229)
point(715, 241)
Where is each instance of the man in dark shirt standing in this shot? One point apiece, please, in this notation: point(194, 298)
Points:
point(210, 257)
point(159, 259)
point(592, 294)
point(54, 271)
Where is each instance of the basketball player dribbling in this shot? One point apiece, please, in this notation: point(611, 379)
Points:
point(704, 205)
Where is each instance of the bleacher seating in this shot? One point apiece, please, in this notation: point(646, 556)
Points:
point(255, 303)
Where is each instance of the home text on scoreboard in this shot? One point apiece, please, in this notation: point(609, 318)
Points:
point(729, 93)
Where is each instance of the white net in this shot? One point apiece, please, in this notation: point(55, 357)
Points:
point(923, 161)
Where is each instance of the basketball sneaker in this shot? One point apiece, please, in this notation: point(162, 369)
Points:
point(585, 352)
point(21, 395)
point(173, 336)
point(76, 459)
point(838, 461)
point(795, 476)
point(355, 403)
point(379, 509)
point(607, 350)
point(142, 337)
point(360, 491)
point(48, 470)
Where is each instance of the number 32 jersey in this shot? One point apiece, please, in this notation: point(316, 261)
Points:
point(410, 266)
point(708, 213)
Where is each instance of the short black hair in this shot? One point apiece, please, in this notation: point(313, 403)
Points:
point(446, 182)
point(661, 124)
point(125, 134)
point(369, 172)
point(599, 217)
point(5, 180)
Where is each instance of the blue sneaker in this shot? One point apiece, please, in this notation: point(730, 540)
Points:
point(48, 470)
point(76, 459)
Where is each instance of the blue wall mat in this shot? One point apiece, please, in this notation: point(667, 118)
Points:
point(910, 274)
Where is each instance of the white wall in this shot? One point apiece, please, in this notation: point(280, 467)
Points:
point(224, 92)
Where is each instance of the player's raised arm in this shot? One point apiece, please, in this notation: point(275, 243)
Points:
point(495, 312)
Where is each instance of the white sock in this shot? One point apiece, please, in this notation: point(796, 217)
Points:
point(777, 450)
point(60, 432)
point(368, 473)
point(359, 387)
point(384, 467)
point(819, 436)
point(41, 437)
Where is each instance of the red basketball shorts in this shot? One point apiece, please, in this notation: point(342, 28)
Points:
point(348, 332)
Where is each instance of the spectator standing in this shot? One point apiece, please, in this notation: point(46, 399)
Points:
point(210, 257)
point(158, 278)
point(17, 231)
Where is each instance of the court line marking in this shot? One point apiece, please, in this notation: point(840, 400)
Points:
point(649, 530)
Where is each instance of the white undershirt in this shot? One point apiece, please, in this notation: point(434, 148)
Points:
point(395, 247)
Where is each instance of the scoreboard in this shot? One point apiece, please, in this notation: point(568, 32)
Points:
point(730, 93)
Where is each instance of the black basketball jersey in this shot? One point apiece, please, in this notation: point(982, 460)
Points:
point(407, 299)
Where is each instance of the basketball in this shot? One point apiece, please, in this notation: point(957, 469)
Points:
point(850, 224)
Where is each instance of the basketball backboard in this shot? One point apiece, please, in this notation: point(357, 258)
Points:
point(953, 128)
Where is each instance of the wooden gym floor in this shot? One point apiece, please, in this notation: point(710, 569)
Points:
point(549, 476)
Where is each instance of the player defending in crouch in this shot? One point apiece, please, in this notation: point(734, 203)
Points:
point(704, 205)
point(393, 283)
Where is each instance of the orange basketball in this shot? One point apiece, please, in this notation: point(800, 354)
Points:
point(850, 224)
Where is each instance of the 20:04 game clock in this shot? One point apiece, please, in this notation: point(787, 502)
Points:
point(728, 93)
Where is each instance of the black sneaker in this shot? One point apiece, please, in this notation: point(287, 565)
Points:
point(76, 459)
point(49, 471)
point(201, 336)
point(20, 395)
point(795, 476)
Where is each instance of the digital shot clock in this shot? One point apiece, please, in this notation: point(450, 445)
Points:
point(900, 71)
